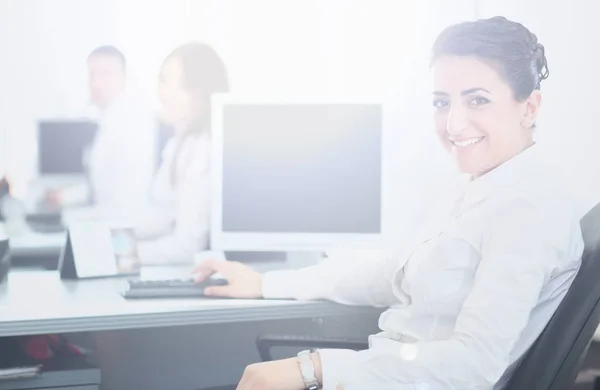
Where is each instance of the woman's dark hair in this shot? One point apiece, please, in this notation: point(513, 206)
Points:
point(508, 46)
point(204, 74)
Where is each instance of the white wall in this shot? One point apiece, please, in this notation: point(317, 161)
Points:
point(568, 129)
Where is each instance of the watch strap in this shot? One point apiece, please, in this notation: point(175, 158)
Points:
point(307, 369)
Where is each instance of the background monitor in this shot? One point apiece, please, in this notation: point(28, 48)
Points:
point(295, 175)
point(63, 146)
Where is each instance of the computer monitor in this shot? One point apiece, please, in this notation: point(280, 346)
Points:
point(63, 145)
point(295, 175)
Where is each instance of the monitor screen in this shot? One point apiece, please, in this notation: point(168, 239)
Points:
point(301, 168)
point(62, 146)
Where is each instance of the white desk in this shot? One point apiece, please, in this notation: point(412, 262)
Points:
point(38, 302)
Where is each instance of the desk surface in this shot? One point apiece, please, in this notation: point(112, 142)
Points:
point(37, 302)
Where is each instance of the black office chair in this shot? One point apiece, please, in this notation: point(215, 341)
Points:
point(553, 362)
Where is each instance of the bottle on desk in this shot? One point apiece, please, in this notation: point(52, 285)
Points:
point(12, 212)
point(4, 253)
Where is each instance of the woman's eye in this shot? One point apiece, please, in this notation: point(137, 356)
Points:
point(478, 101)
point(439, 103)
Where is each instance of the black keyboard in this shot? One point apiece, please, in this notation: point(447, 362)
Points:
point(170, 288)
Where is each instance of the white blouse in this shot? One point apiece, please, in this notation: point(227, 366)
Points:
point(175, 225)
point(471, 295)
point(121, 159)
point(123, 155)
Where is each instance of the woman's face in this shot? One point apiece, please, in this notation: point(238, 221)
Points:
point(177, 102)
point(477, 117)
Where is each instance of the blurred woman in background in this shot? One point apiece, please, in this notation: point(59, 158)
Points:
point(177, 223)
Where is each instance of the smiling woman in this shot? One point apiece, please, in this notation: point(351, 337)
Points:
point(488, 91)
point(474, 291)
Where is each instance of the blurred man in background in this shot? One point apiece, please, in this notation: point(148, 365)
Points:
point(121, 161)
point(107, 77)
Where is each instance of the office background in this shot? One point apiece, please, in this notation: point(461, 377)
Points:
point(338, 47)
point(341, 47)
point(270, 47)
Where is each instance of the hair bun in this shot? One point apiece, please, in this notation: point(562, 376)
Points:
point(540, 62)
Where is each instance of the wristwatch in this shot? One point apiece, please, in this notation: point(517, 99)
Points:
point(307, 369)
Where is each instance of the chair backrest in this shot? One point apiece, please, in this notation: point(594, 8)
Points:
point(552, 363)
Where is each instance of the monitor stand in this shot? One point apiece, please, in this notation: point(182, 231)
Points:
point(266, 259)
point(297, 260)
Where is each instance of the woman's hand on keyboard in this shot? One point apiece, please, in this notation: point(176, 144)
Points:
point(243, 281)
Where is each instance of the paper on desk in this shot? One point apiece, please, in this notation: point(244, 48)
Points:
point(19, 372)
